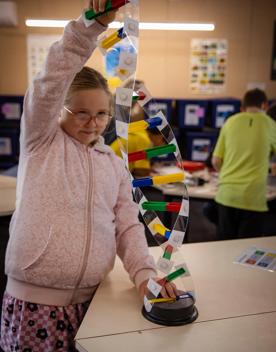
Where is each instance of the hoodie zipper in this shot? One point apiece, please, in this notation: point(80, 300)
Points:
point(88, 220)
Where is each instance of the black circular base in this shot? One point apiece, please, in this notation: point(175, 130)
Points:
point(172, 314)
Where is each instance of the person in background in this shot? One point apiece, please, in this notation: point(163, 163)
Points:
point(241, 156)
point(74, 208)
point(271, 111)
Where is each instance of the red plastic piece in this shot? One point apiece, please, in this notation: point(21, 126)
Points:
point(191, 166)
point(169, 249)
point(118, 3)
point(142, 95)
point(141, 155)
point(173, 207)
point(162, 282)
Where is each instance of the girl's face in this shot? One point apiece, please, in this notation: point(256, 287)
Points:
point(86, 115)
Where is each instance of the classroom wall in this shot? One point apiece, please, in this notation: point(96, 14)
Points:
point(164, 56)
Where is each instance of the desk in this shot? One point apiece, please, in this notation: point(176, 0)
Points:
point(207, 191)
point(7, 195)
point(237, 307)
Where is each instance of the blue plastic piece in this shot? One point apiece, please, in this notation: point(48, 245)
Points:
point(121, 33)
point(167, 234)
point(154, 121)
point(142, 182)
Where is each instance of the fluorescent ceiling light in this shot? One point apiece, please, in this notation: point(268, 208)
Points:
point(170, 26)
point(142, 25)
point(46, 23)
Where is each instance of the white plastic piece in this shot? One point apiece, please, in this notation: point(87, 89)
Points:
point(131, 27)
point(147, 94)
point(127, 63)
point(147, 304)
point(124, 96)
point(154, 287)
point(184, 210)
point(87, 22)
point(122, 129)
point(164, 265)
point(176, 238)
point(184, 266)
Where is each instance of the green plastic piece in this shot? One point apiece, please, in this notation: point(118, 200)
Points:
point(90, 14)
point(163, 149)
point(167, 255)
point(161, 206)
point(175, 274)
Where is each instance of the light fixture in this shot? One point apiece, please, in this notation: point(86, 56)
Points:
point(142, 25)
point(46, 23)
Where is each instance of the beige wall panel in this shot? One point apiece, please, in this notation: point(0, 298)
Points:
point(164, 57)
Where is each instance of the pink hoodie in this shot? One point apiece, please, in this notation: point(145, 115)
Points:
point(74, 207)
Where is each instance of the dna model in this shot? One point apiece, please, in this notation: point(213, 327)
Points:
point(170, 264)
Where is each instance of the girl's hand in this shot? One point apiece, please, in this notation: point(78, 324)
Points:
point(99, 6)
point(168, 291)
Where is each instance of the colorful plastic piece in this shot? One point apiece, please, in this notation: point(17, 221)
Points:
point(144, 124)
point(138, 96)
point(151, 152)
point(173, 207)
point(162, 230)
point(158, 180)
point(114, 38)
point(172, 276)
point(110, 5)
point(168, 252)
point(171, 299)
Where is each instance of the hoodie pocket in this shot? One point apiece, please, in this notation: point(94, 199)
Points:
point(55, 264)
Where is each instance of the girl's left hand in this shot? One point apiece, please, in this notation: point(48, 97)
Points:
point(168, 291)
point(99, 6)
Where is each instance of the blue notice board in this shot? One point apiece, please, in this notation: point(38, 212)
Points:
point(191, 113)
point(221, 109)
point(155, 105)
point(11, 107)
point(200, 144)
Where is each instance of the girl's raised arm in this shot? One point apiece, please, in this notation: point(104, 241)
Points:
point(45, 97)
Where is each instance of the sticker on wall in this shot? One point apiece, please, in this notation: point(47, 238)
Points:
point(37, 48)
point(208, 65)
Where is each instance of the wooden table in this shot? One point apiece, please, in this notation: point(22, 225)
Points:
point(237, 307)
point(7, 195)
point(205, 192)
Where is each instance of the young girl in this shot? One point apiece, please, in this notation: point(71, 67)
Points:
point(74, 208)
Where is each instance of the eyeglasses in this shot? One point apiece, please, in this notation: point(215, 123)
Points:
point(101, 118)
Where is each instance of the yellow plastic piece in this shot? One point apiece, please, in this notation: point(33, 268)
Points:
point(160, 229)
point(122, 71)
point(137, 126)
point(157, 180)
point(110, 41)
point(158, 300)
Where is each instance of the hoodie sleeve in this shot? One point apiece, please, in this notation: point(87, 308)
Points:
point(130, 236)
point(44, 99)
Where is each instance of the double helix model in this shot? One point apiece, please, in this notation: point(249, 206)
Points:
point(170, 264)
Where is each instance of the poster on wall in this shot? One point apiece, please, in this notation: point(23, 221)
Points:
point(208, 65)
point(37, 48)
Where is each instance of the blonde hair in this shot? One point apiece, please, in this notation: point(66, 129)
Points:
point(88, 78)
